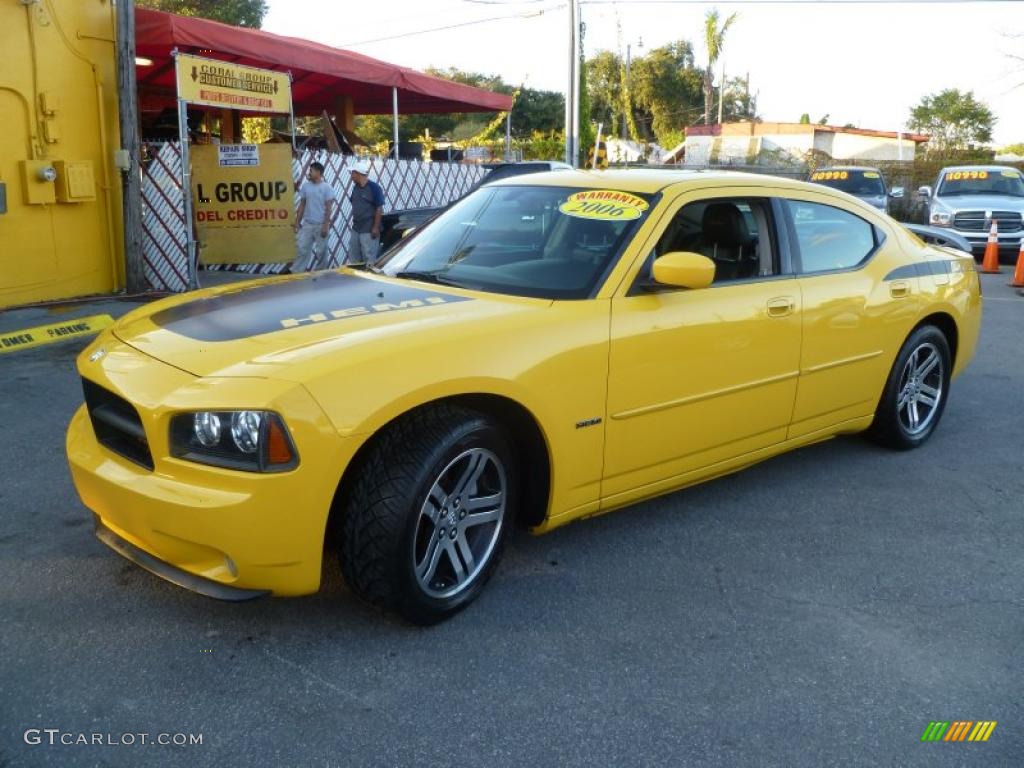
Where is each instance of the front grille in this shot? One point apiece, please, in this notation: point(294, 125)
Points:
point(975, 221)
point(117, 424)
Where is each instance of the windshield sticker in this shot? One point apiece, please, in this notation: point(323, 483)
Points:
point(872, 175)
point(1010, 174)
point(829, 175)
point(604, 205)
point(966, 175)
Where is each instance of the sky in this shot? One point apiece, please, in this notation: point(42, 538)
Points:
point(865, 63)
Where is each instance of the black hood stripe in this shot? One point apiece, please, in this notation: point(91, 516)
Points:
point(279, 305)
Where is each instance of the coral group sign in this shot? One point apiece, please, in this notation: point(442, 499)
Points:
point(244, 211)
point(232, 86)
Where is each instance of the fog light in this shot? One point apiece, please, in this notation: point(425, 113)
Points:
point(206, 426)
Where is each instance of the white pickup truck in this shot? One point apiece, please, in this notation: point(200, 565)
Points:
point(968, 198)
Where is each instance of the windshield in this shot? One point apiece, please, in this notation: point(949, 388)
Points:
point(996, 181)
point(863, 183)
point(545, 242)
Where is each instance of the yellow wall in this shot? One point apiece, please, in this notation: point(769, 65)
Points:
point(58, 104)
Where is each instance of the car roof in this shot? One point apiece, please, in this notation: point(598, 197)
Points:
point(979, 168)
point(649, 180)
point(847, 168)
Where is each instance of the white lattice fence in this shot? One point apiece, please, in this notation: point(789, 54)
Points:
point(163, 221)
point(406, 184)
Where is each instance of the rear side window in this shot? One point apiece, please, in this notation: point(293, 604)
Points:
point(830, 238)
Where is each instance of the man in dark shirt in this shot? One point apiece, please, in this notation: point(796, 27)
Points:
point(367, 208)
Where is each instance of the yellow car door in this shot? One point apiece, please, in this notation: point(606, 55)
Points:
point(701, 376)
point(853, 319)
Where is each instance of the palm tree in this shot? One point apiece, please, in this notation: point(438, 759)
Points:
point(714, 40)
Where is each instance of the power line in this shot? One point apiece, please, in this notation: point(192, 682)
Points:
point(798, 2)
point(530, 15)
point(505, 2)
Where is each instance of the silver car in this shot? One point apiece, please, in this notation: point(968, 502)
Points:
point(968, 198)
point(862, 182)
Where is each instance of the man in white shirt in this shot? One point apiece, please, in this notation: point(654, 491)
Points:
point(313, 220)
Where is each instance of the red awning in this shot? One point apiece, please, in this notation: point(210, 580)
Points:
point(319, 73)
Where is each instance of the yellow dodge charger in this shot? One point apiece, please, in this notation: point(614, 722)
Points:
point(551, 347)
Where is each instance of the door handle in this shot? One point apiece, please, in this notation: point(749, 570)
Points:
point(899, 289)
point(781, 306)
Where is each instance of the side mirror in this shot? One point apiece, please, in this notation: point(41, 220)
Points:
point(925, 191)
point(896, 193)
point(682, 269)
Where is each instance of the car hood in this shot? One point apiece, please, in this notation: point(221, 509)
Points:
point(268, 328)
point(981, 202)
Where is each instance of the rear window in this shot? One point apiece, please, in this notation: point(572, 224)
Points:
point(830, 238)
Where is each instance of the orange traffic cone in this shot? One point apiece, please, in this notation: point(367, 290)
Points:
point(1018, 273)
point(990, 264)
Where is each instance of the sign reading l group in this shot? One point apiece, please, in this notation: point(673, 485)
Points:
point(244, 212)
point(223, 84)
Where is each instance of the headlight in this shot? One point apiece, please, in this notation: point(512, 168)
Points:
point(245, 430)
point(940, 218)
point(252, 441)
point(206, 429)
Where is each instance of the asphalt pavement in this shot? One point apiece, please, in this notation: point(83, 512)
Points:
point(819, 609)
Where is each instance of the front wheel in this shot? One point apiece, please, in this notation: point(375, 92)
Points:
point(429, 513)
point(916, 391)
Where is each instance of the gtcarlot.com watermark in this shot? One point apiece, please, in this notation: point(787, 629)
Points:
point(55, 737)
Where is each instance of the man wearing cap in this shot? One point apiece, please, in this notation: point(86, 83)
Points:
point(312, 220)
point(367, 208)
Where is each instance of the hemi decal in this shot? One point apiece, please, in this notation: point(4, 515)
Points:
point(282, 304)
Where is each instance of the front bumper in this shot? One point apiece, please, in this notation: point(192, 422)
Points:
point(203, 526)
point(175, 575)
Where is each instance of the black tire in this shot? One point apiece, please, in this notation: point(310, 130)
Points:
point(388, 537)
point(906, 391)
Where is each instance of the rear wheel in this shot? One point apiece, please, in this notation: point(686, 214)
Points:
point(429, 512)
point(916, 391)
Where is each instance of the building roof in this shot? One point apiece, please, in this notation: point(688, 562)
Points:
point(320, 73)
point(774, 129)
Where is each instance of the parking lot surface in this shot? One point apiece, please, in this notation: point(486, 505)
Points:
point(818, 609)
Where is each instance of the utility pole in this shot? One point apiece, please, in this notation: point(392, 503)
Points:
point(721, 93)
point(629, 87)
point(572, 115)
point(131, 151)
point(625, 118)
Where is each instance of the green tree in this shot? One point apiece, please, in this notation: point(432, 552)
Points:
point(667, 87)
point(714, 41)
point(953, 119)
point(241, 13)
point(1013, 149)
point(604, 86)
point(737, 103)
point(533, 111)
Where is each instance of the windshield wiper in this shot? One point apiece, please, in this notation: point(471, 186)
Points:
point(427, 277)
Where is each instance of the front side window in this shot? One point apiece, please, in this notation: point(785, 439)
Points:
point(545, 242)
point(735, 233)
point(830, 238)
